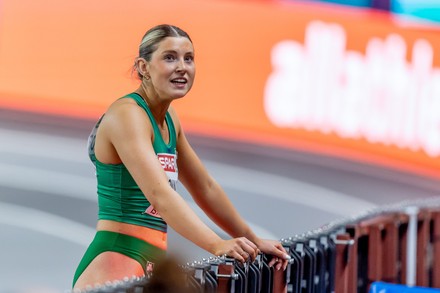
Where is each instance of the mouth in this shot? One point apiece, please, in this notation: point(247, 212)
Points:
point(179, 81)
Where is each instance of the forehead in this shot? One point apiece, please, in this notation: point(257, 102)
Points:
point(177, 44)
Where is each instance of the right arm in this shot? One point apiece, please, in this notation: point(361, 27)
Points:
point(129, 131)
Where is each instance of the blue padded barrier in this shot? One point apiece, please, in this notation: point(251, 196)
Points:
point(382, 287)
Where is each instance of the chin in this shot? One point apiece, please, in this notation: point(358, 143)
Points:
point(178, 96)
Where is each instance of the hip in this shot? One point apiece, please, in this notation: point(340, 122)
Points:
point(152, 236)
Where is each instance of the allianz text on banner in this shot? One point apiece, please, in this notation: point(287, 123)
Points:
point(378, 96)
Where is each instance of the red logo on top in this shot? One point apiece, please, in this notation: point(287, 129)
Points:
point(168, 162)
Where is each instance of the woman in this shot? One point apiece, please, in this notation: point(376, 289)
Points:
point(134, 147)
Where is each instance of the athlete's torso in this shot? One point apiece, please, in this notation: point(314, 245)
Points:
point(119, 197)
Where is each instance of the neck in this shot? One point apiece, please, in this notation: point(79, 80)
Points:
point(157, 107)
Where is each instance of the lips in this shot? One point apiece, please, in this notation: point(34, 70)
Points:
point(179, 80)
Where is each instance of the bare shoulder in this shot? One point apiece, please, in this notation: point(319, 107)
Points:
point(122, 107)
point(125, 117)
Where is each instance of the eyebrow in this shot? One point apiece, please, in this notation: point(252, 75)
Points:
point(175, 52)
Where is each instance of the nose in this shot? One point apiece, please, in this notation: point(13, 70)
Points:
point(181, 65)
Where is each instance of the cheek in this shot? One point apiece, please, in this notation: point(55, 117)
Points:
point(193, 71)
point(165, 69)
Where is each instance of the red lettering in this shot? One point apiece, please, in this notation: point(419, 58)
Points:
point(168, 162)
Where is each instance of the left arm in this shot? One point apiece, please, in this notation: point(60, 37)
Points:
point(212, 199)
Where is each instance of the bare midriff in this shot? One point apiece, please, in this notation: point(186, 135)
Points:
point(152, 236)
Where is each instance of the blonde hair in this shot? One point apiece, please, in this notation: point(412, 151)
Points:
point(151, 39)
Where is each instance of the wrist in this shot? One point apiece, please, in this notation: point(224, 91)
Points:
point(214, 246)
point(258, 242)
point(250, 235)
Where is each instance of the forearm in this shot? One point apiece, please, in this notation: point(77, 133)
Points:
point(179, 216)
point(216, 204)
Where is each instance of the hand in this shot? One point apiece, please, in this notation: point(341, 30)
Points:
point(239, 248)
point(280, 257)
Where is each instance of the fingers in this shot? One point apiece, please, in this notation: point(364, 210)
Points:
point(240, 256)
point(241, 249)
point(280, 257)
point(244, 256)
point(278, 263)
point(250, 250)
point(283, 257)
point(280, 252)
point(273, 261)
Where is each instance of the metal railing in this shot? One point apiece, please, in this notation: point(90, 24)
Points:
point(396, 244)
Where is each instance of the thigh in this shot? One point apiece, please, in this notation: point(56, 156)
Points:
point(108, 266)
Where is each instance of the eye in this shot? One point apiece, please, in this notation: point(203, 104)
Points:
point(169, 57)
point(189, 59)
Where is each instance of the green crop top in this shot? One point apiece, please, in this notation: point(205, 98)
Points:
point(119, 197)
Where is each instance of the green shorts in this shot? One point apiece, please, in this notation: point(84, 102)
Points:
point(135, 248)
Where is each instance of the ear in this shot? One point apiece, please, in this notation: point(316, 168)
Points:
point(142, 67)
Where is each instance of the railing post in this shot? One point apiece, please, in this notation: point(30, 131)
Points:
point(423, 223)
point(345, 264)
point(411, 249)
point(391, 250)
point(226, 277)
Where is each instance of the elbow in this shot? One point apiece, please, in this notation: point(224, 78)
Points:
point(160, 198)
point(203, 195)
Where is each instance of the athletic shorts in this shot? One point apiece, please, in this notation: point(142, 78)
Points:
point(143, 252)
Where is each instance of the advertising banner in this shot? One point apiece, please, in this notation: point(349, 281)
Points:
point(347, 82)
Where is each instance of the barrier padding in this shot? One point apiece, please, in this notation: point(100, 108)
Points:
point(381, 287)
